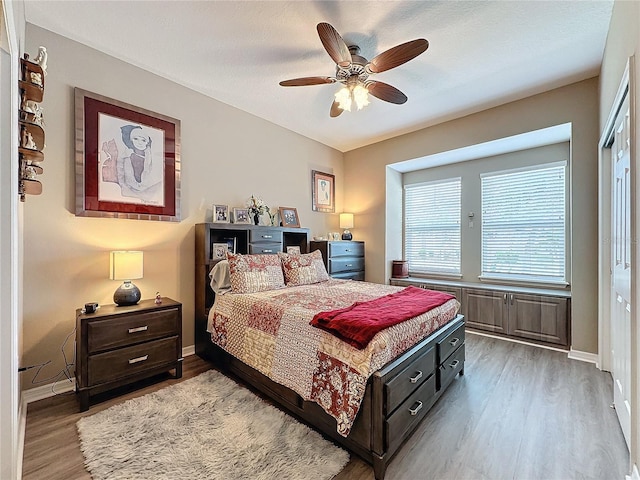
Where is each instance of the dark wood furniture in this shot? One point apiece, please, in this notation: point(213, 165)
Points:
point(397, 397)
point(535, 314)
point(31, 135)
point(116, 345)
point(343, 259)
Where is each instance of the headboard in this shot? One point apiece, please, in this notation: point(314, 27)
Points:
point(243, 239)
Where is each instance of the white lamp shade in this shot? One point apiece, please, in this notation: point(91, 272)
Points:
point(346, 220)
point(125, 265)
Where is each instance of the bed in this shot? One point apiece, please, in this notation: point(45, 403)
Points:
point(384, 389)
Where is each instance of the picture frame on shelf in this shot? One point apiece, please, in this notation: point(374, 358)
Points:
point(289, 217)
point(220, 213)
point(241, 216)
point(323, 192)
point(127, 160)
point(231, 244)
point(219, 251)
point(293, 249)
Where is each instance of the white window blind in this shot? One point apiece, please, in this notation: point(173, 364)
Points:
point(432, 226)
point(524, 224)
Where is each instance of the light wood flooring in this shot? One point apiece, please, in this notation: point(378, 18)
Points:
point(519, 412)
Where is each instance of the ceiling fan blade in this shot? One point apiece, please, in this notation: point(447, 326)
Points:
point(335, 109)
point(397, 55)
point(386, 92)
point(303, 82)
point(334, 45)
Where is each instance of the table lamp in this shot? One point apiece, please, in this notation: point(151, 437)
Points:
point(127, 266)
point(346, 222)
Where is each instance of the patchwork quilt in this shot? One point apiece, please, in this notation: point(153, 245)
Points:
point(270, 332)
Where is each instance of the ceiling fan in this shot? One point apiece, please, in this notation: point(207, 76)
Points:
point(353, 71)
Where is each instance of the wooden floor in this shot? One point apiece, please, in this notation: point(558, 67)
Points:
point(519, 412)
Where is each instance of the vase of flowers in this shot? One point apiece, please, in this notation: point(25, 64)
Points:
point(257, 207)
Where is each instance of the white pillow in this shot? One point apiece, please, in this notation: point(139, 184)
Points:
point(220, 277)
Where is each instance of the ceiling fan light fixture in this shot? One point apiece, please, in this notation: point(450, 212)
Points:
point(350, 94)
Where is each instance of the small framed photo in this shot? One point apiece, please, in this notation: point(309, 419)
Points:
point(219, 251)
point(220, 213)
point(293, 249)
point(323, 192)
point(241, 215)
point(289, 217)
point(231, 244)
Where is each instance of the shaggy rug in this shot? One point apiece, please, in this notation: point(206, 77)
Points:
point(207, 427)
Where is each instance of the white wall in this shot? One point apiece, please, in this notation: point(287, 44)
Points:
point(227, 155)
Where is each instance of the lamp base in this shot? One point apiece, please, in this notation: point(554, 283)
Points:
point(346, 235)
point(126, 294)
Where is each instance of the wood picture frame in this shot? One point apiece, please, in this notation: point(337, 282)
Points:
point(220, 213)
point(127, 160)
point(219, 251)
point(289, 217)
point(241, 216)
point(323, 192)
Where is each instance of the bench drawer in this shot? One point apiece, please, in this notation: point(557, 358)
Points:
point(400, 387)
point(450, 343)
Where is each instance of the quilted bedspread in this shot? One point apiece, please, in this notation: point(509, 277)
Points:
point(270, 332)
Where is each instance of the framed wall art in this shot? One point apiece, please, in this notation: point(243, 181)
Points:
point(127, 160)
point(220, 213)
point(289, 217)
point(323, 192)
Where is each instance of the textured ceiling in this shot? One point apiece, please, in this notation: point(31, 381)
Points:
point(481, 54)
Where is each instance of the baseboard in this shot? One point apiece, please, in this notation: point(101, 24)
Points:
point(514, 340)
point(51, 389)
point(635, 475)
point(584, 357)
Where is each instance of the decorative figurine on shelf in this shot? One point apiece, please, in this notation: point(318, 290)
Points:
point(158, 299)
point(27, 141)
point(41, 59)
point(29, 173)
point(36, 110)
point(36, 78)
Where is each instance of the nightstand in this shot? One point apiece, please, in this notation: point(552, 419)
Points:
point(343, 259)
point(117, 346)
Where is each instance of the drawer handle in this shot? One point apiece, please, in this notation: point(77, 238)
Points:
point(267, 236)
point(454, 342)
point(454, 364)
point(348, 265)
point(139, 329)
point(619, 299)
point(414, 411)
point(138, 359)
point(416, 378)
point(347, 249)
point(267, 250)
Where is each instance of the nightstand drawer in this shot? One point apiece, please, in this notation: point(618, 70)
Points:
point(116, 332)
point(350, 249)
point(265, 235)
point(346, 264)
point(117, 364)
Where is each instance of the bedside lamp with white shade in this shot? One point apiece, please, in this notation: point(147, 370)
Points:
point(346, 222)
point(126, 266)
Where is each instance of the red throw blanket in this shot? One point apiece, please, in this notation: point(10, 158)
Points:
point(359, 323)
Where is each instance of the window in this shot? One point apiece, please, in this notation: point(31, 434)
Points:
point(524, 224)
point(432, 226)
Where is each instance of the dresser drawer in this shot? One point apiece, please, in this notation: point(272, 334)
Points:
point(265, 235)
point(412, 410)
point(126, 330)
point(399, 387)
point(266, 248)
point(349, 275)
point(450, 343)
point(341, 249)
point(117, 364)
point(345, 264)
point(450, 367)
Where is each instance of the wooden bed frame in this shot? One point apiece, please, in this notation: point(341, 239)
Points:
point(397, 397)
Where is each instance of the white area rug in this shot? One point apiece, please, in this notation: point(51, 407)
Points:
point(207, 427)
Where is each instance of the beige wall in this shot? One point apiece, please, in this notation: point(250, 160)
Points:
point(366, 177)
point(623, 41)
point(227, 155)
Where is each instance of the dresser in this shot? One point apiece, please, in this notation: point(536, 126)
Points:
point(343, 259)
point(117, 346)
